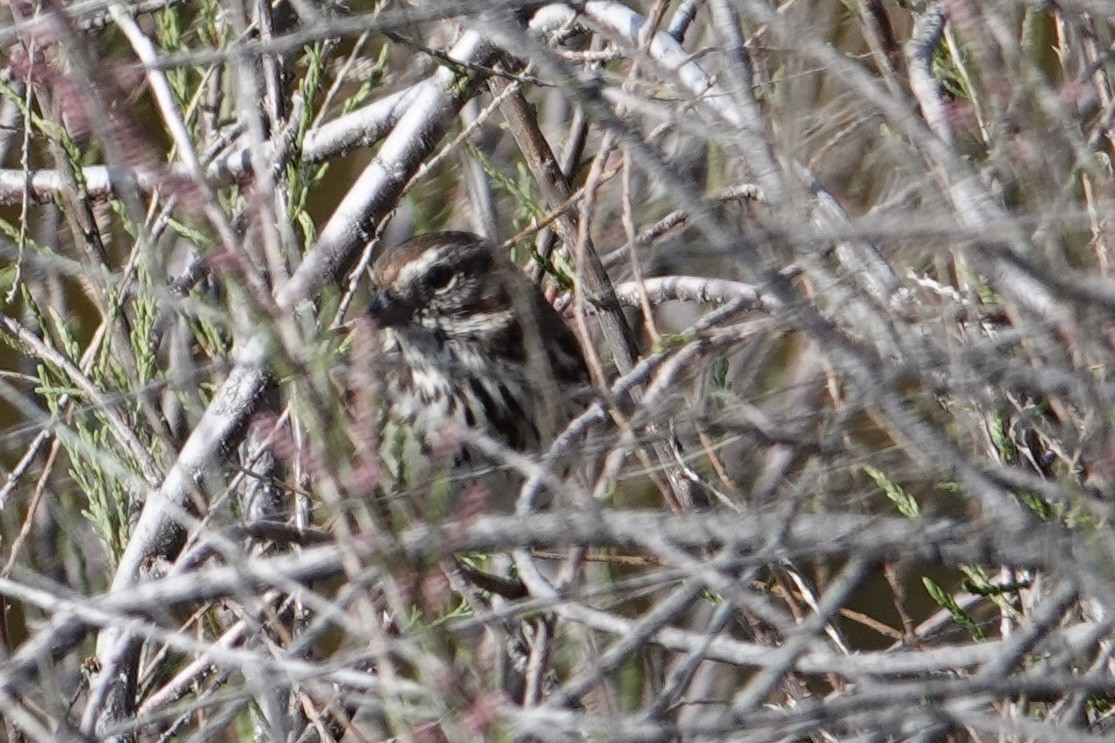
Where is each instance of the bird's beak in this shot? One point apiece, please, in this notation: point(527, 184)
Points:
point(386, 310)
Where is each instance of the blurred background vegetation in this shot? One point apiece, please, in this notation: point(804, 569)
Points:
point(856, 399)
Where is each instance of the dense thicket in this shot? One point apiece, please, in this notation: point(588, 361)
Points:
point(842, 275)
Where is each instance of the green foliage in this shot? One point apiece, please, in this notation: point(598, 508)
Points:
point(720, 373)
point(95, 460)
point(170, 36)
point(946, 602)
point(521, 189)
point(895, 493)
point(950, 77)
point(302, 182)
point(798, 429)
point(978, 582)
point(556, 267)
point(368, 87)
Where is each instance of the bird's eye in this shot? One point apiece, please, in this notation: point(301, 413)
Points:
point(440, 278)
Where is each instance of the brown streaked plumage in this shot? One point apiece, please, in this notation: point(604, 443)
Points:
point(470, 344)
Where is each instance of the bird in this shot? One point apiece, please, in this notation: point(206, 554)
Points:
point(468, 344)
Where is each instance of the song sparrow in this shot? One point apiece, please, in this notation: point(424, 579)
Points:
point(470, 344)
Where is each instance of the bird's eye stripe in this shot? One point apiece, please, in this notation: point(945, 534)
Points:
point(440, 277)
